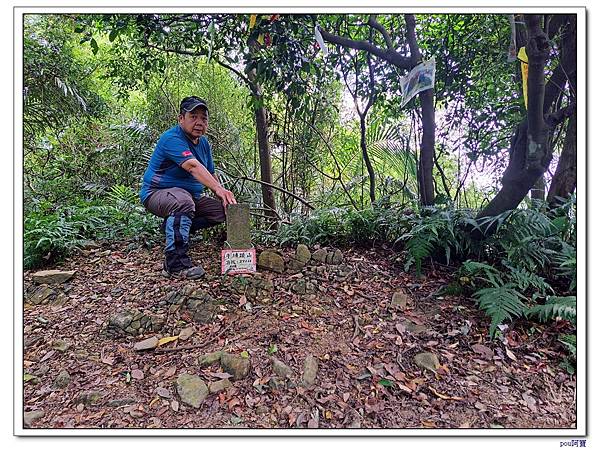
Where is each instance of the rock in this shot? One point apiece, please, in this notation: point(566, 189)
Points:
point(262, 409)
point(31, 416)
point(42, 294)
point(237, 366)
point(299, 287)
point(88, 398)
point(337, 257)
point(329, 258)
point(302, 254)
point(427, 361)
point(238, 226)
point(53, 276)
point(191, 389)
point(62, 380)
point(146, 344)
point(280, 369)
point(209, 359)
point(271, 260)
point(186, 333)
point(320, 255)
point(163, 392)
point(203, 308)
point(413, 328)
point(122, 319)
point(60, 345)
point(218, 386)
point(399, 299)
point(294, 266)
point(315, 311)
point(310, 370)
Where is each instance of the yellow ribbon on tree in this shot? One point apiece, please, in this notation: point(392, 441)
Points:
point(252, 21)
point(522, 55)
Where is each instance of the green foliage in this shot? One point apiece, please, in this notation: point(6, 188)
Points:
point(501, 303)
point(564, 307)
point(49, 237)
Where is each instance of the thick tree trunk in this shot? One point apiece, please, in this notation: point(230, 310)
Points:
point(518, 178)
point(538, 191)
point(565, 178)
point(530, 152)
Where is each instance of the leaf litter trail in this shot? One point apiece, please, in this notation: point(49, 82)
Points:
point(364, 343)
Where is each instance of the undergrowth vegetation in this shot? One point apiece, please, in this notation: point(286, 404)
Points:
point(526, 269)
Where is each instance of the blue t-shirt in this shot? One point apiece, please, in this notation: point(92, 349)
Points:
point(164, 169)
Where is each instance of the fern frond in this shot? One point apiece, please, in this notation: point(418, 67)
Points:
point(569, 341)
point(565, 307)
point(500, 303)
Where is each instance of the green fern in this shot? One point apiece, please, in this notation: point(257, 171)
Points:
point(122, 195)
point(501, 303)
point(570, 342)
point(481, 271)
point(418, 247)
point(565, 307)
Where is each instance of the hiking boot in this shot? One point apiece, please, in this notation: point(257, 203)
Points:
point(192, 273)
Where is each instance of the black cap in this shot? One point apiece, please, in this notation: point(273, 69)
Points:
point(190, 103)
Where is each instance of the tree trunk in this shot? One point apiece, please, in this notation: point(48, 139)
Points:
point(426, 156)
point(365, 155)
point(530, 152)
point(565, 178)
point(538, 191)
point(264, 153)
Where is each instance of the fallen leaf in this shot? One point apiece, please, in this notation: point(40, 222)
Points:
point(167, 339)
point(428, 423)
point(169, 373)
point(220, 375)
point(175, 405)
point(510, 354)
point(47, 355)
point(108, 360)
point(243, 300)
point(483, 350)
point(443, 396)
point(153, 401)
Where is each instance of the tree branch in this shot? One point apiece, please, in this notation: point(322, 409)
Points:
point(561, 115)
point(291, 194)
point(389, 55)
point(217, 60)
point(376, 25)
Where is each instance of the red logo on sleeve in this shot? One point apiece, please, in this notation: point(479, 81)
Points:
point(187, 153)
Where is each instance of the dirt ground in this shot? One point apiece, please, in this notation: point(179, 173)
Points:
point(364, 344)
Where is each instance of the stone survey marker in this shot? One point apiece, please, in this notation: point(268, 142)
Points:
point(238, 256)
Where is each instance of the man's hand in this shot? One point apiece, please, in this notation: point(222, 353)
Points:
point(226, 196)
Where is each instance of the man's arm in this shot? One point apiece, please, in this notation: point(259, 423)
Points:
point(200, 173)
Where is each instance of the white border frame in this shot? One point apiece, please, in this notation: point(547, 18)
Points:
point(301, 7)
